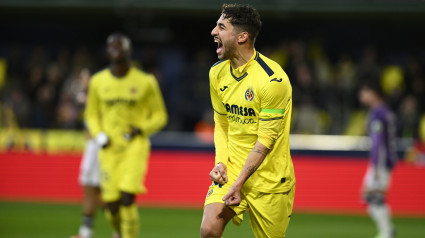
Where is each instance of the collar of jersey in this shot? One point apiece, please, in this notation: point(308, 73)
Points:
point(123, 77)
point(241, 71)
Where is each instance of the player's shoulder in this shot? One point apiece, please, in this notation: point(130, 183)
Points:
point(218, 63)
point(270, 72)
point(268, 66)
point(219, 66)
point(99, 75)
point(384, 113)
point(142, 75)
point(218, 71)
point(139, 72)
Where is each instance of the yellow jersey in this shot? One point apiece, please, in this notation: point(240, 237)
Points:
point(253, 102)
point(115, 105)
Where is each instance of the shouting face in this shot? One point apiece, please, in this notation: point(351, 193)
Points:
point(226, 37)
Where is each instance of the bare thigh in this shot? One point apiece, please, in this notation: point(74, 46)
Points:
point(215, 218)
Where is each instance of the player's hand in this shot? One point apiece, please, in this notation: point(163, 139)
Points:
point(102, 140)
point(219, 173)
point(233, 197)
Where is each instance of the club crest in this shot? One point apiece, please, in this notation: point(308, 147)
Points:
point(249, 94)
point(210, 192)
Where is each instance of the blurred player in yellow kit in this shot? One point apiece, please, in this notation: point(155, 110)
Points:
point(252, 99)
point(124, 107)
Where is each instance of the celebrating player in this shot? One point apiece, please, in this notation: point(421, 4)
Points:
point(382, 132)
point(252, 100)
point(124, 107)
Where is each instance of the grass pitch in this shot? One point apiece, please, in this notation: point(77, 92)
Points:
point(37, 220)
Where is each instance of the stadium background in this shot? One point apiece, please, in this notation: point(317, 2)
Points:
point(48, 48)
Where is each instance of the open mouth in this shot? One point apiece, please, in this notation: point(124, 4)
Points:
point(219, 46)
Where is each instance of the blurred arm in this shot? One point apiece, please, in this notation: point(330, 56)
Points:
point(221, 125)
point(159, 117)
point(92, 112)
point(378, 150)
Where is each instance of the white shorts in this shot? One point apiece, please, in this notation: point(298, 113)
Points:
point(89, 167)
point(376, 182)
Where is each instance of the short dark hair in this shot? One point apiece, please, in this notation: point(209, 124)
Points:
point(122, 37)
point(244, 17)
point(373, 85)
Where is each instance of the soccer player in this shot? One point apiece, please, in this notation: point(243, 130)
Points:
point(124, 107)
point(252, 100)
point(89, 179)
point(382, 131)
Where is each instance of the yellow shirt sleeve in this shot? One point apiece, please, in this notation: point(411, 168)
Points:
point(91, 113)
point(158, 113)
point(274, 98)
point(221, 125)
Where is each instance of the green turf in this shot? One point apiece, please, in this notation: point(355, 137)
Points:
point(23, 220)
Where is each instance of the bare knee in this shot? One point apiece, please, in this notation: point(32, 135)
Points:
point(209, 230)
point(214, 220)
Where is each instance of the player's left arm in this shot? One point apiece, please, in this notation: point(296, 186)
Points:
point(274, 97)
point(254, 160)
point(159, 117)
point(377, 137)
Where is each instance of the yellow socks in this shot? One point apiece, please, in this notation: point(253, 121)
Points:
point(129, 221)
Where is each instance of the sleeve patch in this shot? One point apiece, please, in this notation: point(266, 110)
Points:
point(280, 111)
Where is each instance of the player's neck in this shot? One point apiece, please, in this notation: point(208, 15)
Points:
point(376, 104)
point(241, 57)
point(120, 69)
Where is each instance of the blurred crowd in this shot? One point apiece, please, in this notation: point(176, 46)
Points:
point(325, 90)
point(45, 87)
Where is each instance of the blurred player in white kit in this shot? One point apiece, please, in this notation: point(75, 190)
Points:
point(89, 179)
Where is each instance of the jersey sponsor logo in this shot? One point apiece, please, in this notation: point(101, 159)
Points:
point(249, 94)
point(276, 80)
point(113, 102)
point(224, 88)
point(239, 110)
point(240, 120)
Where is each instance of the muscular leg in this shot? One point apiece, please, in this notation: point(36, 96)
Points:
point(129, 216)
point(215, 218)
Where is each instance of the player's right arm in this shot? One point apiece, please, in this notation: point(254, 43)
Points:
point(219, 172)
point(377, 155)
point(92, 111)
